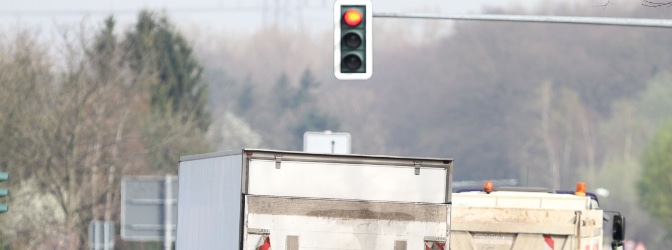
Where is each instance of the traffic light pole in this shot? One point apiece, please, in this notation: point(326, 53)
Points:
point(640, 22)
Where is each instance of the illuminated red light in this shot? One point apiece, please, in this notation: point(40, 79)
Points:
point(352, 17)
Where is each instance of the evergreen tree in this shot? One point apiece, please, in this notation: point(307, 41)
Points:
point(165, 67)
point(311, 119)
point(156, 48)
point(284, 93)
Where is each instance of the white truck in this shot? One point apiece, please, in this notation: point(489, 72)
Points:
point(255, 199)
point(524, 218)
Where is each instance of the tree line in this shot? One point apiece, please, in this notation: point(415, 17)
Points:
point(548, 105)
point(86, 109)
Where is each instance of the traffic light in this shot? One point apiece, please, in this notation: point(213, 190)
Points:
point(353, 38)
point(4, 176)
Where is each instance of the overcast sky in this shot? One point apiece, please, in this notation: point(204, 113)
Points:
point(229, 15)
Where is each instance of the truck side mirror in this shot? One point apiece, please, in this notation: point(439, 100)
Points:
point(618, 227)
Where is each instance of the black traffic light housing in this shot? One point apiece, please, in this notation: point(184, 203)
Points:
point(4, 176)
point(353, 55)
point(618, 233)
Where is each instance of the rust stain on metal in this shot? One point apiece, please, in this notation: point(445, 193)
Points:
point(362, 214)
point(346, 209)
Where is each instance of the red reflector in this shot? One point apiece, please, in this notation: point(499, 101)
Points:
point(549, 241)
point(352, 17)
point(267, 243)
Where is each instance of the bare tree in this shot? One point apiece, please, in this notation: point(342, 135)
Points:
point(547, 134)
point(67, 127)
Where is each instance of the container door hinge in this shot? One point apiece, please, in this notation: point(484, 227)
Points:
point(417, 165)
point(278, 160)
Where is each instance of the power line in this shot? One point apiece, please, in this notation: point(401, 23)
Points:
point(263, 8)
point(123, 11)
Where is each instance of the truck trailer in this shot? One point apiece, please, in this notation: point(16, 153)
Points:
point(255, 199)
point(517, 218)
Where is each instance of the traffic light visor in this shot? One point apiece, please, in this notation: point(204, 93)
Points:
point(352, 17)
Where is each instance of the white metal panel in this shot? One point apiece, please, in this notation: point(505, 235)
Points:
point(529, 241)
point(566, 201)
point(326, 233)
point(506, 199)
point(461, 240)
point(492, 241)
point(362, 227)
point(513, 220)
point(347, 181)
point(565, 226)
point(209, 203)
